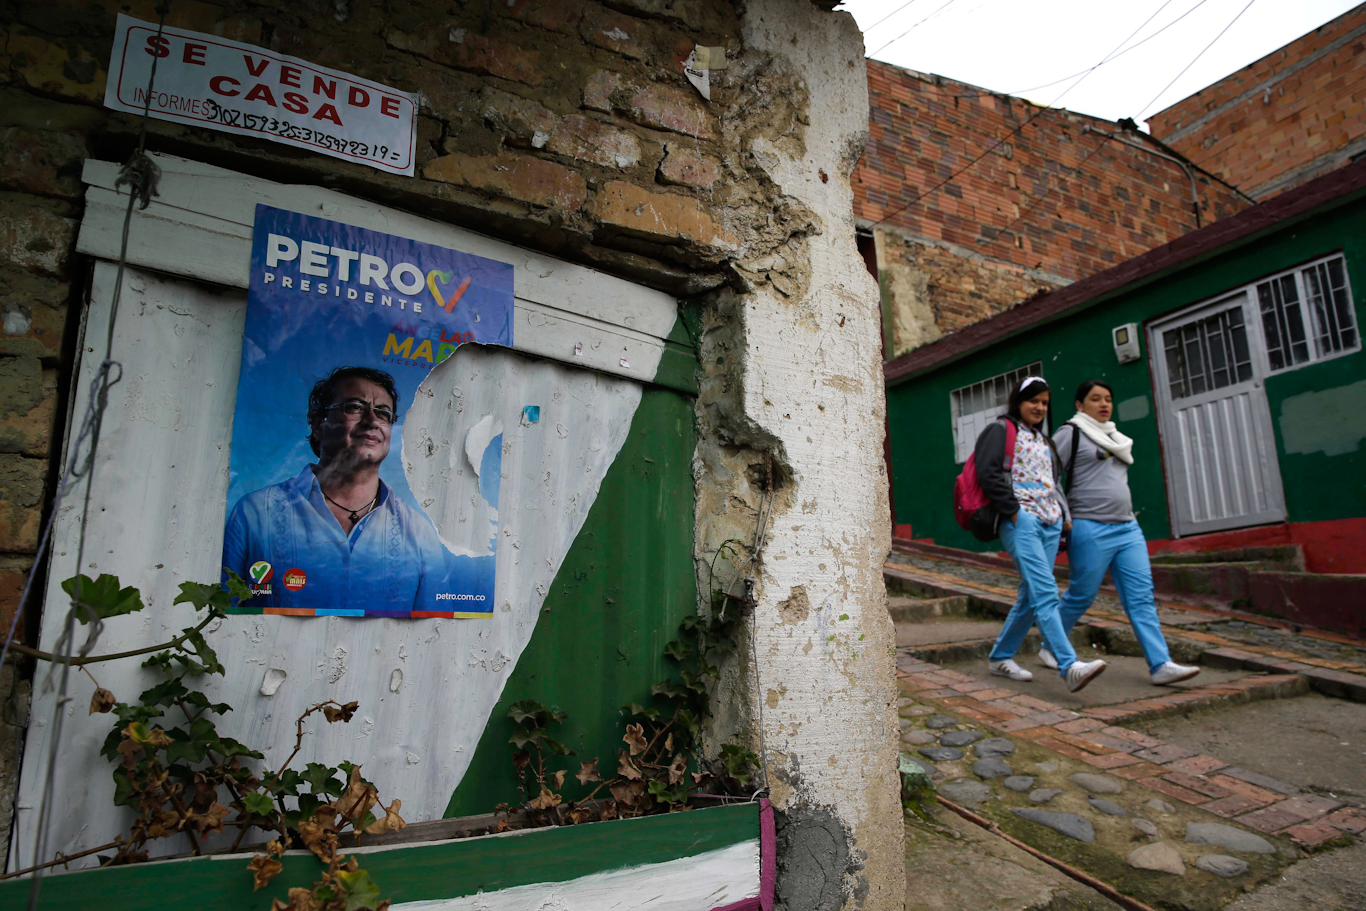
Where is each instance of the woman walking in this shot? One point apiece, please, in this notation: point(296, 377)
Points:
point(1031, 515)
point(1105, 535)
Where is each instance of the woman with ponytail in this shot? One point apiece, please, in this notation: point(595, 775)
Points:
point(1031, 514)
point(1105, 535)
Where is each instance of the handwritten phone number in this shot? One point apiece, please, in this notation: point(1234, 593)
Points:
point(286, 130)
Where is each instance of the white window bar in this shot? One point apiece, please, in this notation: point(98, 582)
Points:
point(977, 405)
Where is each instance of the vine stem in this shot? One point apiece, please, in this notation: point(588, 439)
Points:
point(81, 662)
point(64, 858)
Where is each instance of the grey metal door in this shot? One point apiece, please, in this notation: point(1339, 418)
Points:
point(1216, 426)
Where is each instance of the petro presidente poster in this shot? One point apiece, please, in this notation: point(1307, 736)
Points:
point(342, 326)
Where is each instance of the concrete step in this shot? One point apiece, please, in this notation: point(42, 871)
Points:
point(907, 582)
point(915, 635)
point(952, 650)
point(1283, 557)
point(1327, 601)
point(920, 610)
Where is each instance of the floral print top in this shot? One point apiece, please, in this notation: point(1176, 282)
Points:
point(1032, 477)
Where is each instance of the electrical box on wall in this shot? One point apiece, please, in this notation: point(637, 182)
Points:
point(1126, 342)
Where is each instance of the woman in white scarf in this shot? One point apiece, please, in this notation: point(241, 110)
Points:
point(1105, 534)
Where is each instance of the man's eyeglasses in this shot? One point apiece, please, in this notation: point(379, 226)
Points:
point(354, 408)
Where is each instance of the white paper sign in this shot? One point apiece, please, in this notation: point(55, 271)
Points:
point(238, 88)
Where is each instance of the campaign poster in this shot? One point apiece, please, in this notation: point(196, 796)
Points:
point(342, 326)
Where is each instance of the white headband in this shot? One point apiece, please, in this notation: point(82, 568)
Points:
point(1032, 379)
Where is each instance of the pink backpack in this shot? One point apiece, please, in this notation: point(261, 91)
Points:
point(968, 496)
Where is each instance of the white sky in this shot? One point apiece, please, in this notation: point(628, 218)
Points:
point(1015, 45)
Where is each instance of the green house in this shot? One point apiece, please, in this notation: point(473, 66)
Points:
point(1236, 358)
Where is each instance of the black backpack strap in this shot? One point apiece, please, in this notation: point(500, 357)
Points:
point(1072, 460)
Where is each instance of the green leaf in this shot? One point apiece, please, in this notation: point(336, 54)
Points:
point(679, 650)
point(557, 748)
point(319, 778)
point(359, 889)
point(260, 804)
point(528, 710)
point(196, 641)
point(201, 594)
point(102, 596)
point(635, 708)
point(738, 761)
point(199, 700)
point(237, 586)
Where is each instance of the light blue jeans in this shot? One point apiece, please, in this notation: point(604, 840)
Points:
point(1099, 546)
point(1034, 548)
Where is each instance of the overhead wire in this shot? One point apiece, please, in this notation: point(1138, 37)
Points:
point(1194, 59)
point(888, 16)
point(1123, 52)
point(1002, 141)
point(884, 47)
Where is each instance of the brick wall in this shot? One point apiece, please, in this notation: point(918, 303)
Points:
point(1283, 120)
point(985, 242)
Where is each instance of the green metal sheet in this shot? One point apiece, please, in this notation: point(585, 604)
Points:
point(417, 873)
point(620, 594)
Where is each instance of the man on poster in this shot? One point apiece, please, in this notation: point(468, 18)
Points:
point(340, 512)
point(343, 326)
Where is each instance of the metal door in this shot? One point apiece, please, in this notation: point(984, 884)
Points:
point(1215, 423)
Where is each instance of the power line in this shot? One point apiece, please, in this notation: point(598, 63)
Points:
point(943, 183)
point(1126, 50)
point(1197, 57)
point(888, 16)
point(946, 5)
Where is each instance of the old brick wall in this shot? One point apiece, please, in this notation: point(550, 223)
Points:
point(566, 126)
point(1291, 116)
point(1044, 209)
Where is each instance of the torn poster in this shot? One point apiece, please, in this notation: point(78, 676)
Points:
point(342, 326)
point(699, 65)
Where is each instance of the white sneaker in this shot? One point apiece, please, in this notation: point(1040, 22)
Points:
point(1171, 672)
point(1008, 668)
point(1082, 673)
point(1047, 660)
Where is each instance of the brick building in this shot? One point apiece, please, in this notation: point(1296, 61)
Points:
point(694, 252)
point(1062, 197)
point(1287, 118)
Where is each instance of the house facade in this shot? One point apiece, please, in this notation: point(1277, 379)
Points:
point(653, 196)
point(1236, 360)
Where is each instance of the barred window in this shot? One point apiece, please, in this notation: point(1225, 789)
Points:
point(1307, 314)
point(976, 406)
point(1208, 354)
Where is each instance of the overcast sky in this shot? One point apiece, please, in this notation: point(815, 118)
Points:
point(1018, 46)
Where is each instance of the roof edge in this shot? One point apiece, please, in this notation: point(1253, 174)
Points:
point(1334, 187)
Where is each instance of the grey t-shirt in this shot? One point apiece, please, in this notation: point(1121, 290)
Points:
point(1099, 488)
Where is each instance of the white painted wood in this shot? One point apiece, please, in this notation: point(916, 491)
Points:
point(157, 516)
point(206, 248)
point(191, 188)
point(697, 883)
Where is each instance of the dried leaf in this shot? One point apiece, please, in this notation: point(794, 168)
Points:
point(580, 814)
point(609, 810)
point(502, 825)
point(319, 834)
point(627, 793)
point(358, 799)
point(334, 713)
point(102, 702)
point(669, 743)
point(678, 769)
point(391, 822)
point(545, 800)
point(588, 771)
point(300, 900)
point(625, 768)
point(129, 751)
point(559, 779)
point(212, 818)
point(263, 869)
point(635, 738)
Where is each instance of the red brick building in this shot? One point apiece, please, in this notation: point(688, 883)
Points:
point(1062, 196)
point(1283, 120)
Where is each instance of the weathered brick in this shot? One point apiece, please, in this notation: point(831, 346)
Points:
point(52, 68)
point(34, 237)
point(693, 13)
point(21, 496)
point(611, 30)
point(555, 15)
point(13, 573)
point(667, 216)
point(688, 167)
point(464, 49)
point(668, 108)
point(526, 122)
point(600, 92)
point(32, 314)
point(28, 404)
point(587, 140)
point(520, 177)
point(41, 162)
